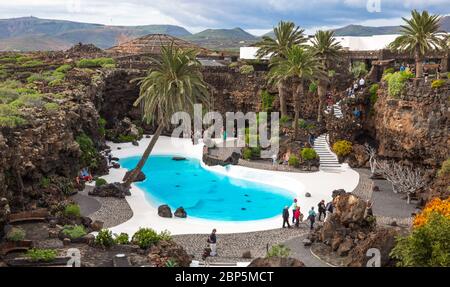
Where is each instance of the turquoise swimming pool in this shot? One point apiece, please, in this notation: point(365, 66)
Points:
point(205, 194)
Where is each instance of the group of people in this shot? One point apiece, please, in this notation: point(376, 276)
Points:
point(357, 85)
point(323, 210)
point(84, 175)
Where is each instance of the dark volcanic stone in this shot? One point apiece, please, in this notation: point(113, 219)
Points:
point(178, 158)
point(164, 211)
point(140, 177)
point(180, 212)
point(111, 190)
point(276, 262)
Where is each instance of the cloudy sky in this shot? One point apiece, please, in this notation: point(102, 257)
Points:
point(255, 16)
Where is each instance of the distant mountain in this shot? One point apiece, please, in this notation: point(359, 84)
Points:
point(222, 39)
point(20, 33)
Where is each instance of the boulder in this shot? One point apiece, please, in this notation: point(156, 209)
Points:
point(276, 262)
point(88, 239)
point(111, 190)
point(337, 192)
point(178, 158)
point(307, 242)
point(164, 211)
point(135, 143)
point(140, 177)
point(307, 194)
point(115, 165)
point(97, 225)
point(161, 252)
point(86, 221)
point(247, 255)
point(336, 241)
point(349, 209)
point(345, 247)
point(180, 212)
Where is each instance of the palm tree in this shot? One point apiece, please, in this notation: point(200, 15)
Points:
point(420, 35)
point(174, 83)
point(300, 65)
point(286, 35)
point(326, 48)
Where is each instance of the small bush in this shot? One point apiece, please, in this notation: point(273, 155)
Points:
point(436, 84)
point(32, 63)
point(374, 94)
point(445, 168)
point(100, 182)
point(246, 69)
point(359, 69)
point(308, 154)
point(45, 182)
point(64, 68)
point(104, 238)
point(165, 235)
point(74, 231)
point(126, 138)
point(342, 148)
point(88, 150)
point(121, 239)
point(233, 65)
point(36, 78)
point(171, 263)
point(51, 106)
point(294, 161)
point(72, 210)
point(285, 119)
point(95, 63)
point(102, 126)
point(45, 255)
point(278, 250)
point(312, 88)
point(146, 237)
point(16, 234)
point(247, 153)
point(389, 71)
point(267, 100)
point(397, 82)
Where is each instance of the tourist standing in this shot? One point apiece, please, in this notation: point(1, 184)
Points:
point(328, 210)
point(312, 217)
point(297, 216)
point(286, 217)
point(294, 208)
point(212, 240)
point(362, 82)
point(321, 209)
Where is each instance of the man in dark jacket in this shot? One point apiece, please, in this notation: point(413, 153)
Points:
point(286, 217)
point(321, 209)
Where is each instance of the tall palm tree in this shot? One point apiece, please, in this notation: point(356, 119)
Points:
point(174, 83)
point(326, 48)
point(420, 35)
point(286, 35)
point(300, 65)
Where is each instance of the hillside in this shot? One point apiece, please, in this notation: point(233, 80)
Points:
point(222, 39)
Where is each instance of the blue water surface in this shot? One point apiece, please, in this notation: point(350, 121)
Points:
point(205, 194)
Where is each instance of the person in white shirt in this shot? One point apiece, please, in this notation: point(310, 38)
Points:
point(362, 82)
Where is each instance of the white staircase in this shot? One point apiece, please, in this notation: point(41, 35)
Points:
point(337, 110)
point(328, 160)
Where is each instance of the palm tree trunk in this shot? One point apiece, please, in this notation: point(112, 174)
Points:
point(282, 95)
point(298, 93)
point(135, 172)
point(419, 66)
point(321, 91)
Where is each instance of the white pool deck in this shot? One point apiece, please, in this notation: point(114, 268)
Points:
point(319, 184)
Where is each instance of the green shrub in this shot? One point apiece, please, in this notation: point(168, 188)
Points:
point(308, 154)
point(359, 69)
point(312, 88)
point(342, 148)
point(445, 168)
point(32, 63)
point(436, 84)
point(51, 106)
point(74, 231)
point(171, 263)
point(88, 150)
point(45, 182)
point(121, 239)
point(233, 65)
point(389, 71)
point(285, 119)
point(448, 76)
point(45, 255)
point(126, 138)
point(267, 100)
point(36, 78)
point(102, 126)
point(108, 66)
point(104, 238)
point(426, 246)
point(3, 74)
point(64, 68)
point(11, 121)
point(146, 237)
point(247, 153)
point(278, 250)
point(72, 210)
point(100, 182)
point(294, 161)
point(246, 69)
point(95, 63)
point(397, 82)
point(374, 94)
point(16, 234)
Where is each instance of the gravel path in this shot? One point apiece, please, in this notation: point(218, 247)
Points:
point(302, 253)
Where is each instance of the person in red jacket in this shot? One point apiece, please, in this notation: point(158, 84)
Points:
point(297, 216)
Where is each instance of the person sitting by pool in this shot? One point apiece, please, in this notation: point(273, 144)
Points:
point(84, 175)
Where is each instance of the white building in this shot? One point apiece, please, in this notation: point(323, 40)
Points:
point(369, 43)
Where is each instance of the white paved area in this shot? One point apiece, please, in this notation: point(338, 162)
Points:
point(319, 184)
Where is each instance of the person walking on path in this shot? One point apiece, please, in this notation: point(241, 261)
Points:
point(312, 217)
point(321, 209)
point(294, 208)
point(286, 217)
point(297, 216)
point(212, 240)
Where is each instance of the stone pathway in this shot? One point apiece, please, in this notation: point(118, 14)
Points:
point(328, 160)
point(303, 253)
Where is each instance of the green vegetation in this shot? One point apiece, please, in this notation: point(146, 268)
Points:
point(278, 250)
point(247, 153)
point(104, 238)
point(445, 168)
point(51, 106)
point(121, 239)
point(102, 126)
point(304, 125)
point(251, 153)
point(126, 138)
point(308, 154)
point(146, 237)
point(72, 211)
point(64, 68)
point(389, 71)
point(359, 69)
point(45, 182)
point(32, 63)
point(267, 100)
point(284, 120)
point(397, 82)
point(16, 234)
point(342, 148)
point(313, 88)
point(74, 231)
point(426, 246)
point(100, 182)
point(436, 84)
point(233, 65)
point(88, 150)
point(294, 161)
point(246, 69)
point(171, 263)
point(96, 63)
point(45, 255)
